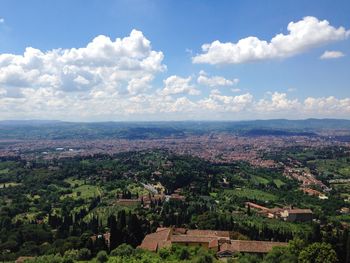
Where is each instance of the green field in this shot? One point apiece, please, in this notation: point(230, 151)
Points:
point(84, 192)
point(261, 180)
point(340, 167)
point(278, 183)
point(252, 194)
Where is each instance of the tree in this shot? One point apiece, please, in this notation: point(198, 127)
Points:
point(70, 255)
point(124, 250)
point(102, 256)
point(318, 253)
point(84, 254)
point(184, 254)
point(249, 213)
point(280, 255)
point(205, 259)
point(347, 259)
point(296, 246)
point(164, 253)
point(316, 233)
point(249, 258)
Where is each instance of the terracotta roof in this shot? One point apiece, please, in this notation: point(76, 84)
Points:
point(191, 239)
point(310, 191)
point(256, 206)
point(250, 246)
point(214, 244)
point(208, 233)
point(179, 230)
point(211, 241)
point(299, 211)
point(156, 240)
point(128, 201)
point(275, 210)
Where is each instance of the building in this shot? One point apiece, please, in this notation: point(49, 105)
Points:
point(129, 202)
point(287, 213)
point(165, 237)
point(247, 246)
point(345, 210)
point(297, 215)
point(256, 207)
point(106, 237)
point(313, 192)
point(177, 197)
point(218, 241)
point(159, 239)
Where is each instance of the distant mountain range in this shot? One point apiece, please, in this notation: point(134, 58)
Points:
point(55, 129)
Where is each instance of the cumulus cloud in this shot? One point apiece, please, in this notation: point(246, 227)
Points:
point(113, 80)
point(215, 81)
point(327, 106)
point(332, 54)
point(174, 85)
point(277, 102)
point(221, 103)
point(303, 35)
point(102, 65)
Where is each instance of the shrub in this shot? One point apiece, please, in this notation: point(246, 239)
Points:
point(123, 250)
point(102, 256)
point(84, 254)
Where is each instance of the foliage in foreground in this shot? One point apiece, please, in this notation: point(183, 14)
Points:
point(296, 252)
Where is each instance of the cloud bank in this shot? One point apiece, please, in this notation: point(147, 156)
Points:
point(116, 80)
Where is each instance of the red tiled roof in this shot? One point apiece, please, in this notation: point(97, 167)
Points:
point(299, 211)
point(156, 240)
point(256, 206)
point(128, 201)
point(179, 230)
point(190, 239)
point(211, 241)
point(250, 246)
point(209, 233)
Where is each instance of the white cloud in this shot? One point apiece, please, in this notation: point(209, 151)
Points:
point(277, 102)
point(329, 106)
point(215, 81)
point(236, 90)
point(102, 65)
point(303, 35)
point(113, 80)
point(177, 85)
point(2, 20)
point(140, 85)
point(332, 54)
point(222, 103)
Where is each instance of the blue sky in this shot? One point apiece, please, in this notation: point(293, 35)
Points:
point(272, 81)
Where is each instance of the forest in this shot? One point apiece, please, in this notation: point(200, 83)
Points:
point(60, 210)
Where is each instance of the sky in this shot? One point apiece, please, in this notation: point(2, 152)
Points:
point(147, 60)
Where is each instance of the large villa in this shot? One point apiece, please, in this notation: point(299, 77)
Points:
point(218, 241)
